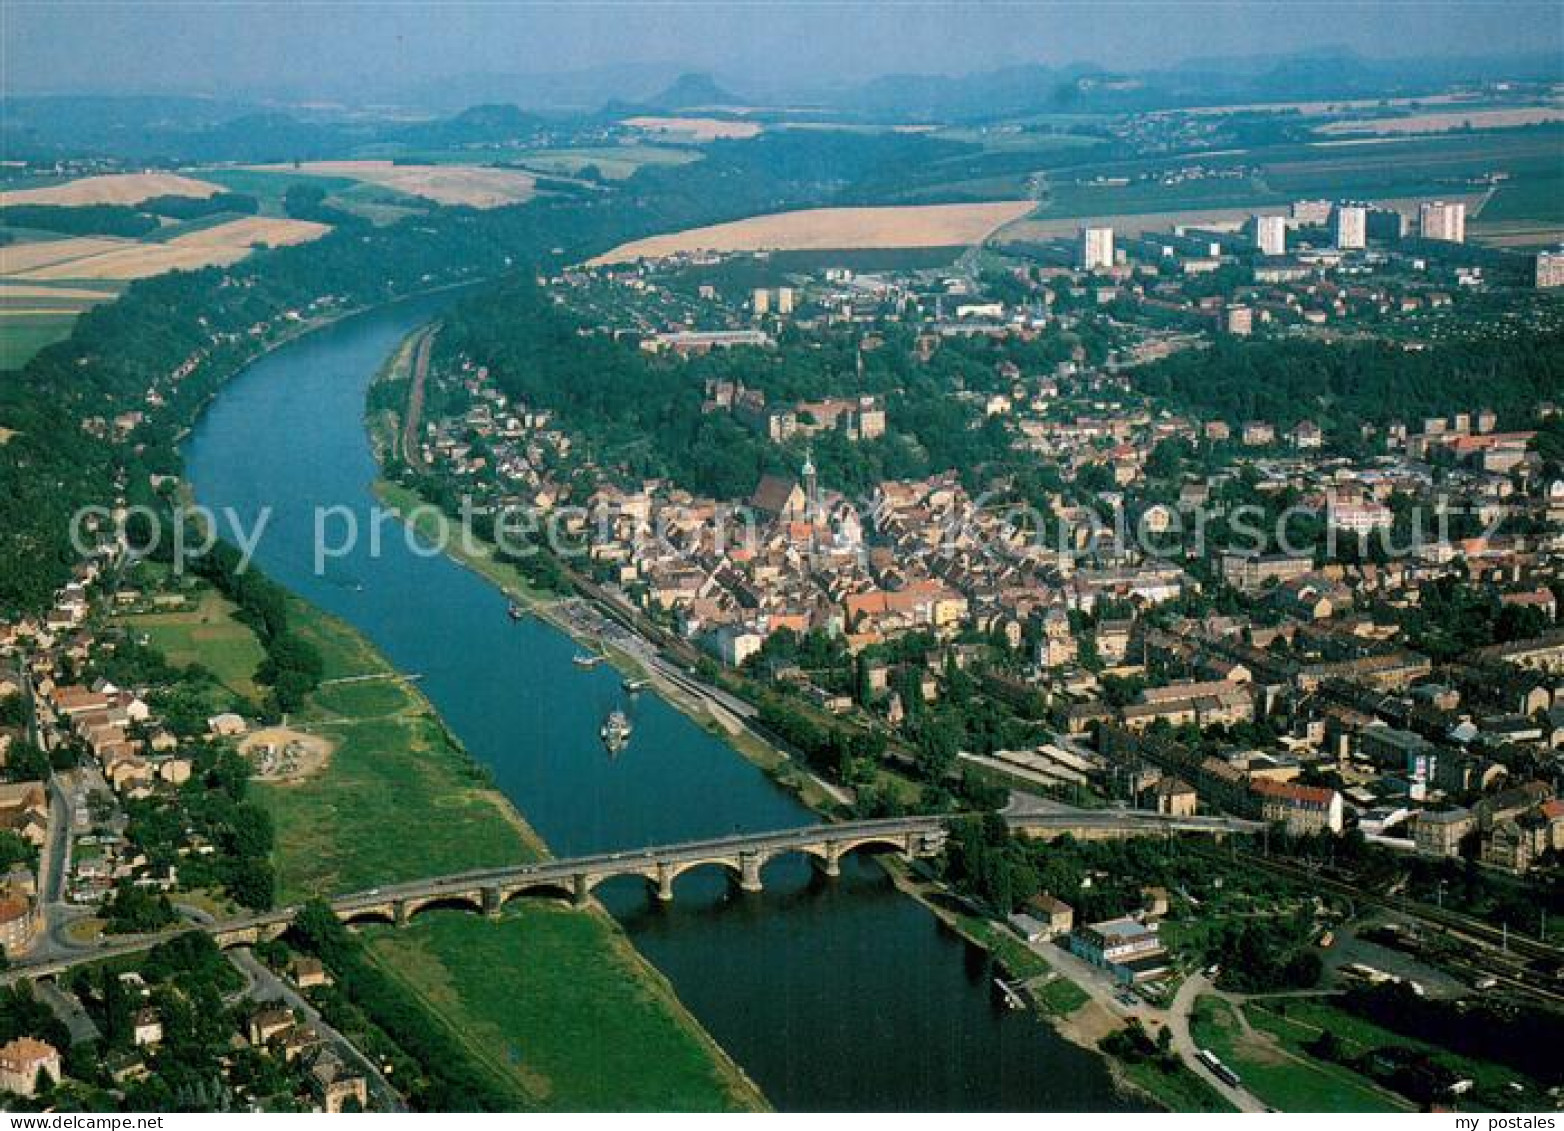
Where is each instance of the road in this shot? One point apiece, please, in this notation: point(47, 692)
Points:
point(411, 453)
point(68, 1010)
point(265, 987)
point(1178, 1015)
point(54, 857)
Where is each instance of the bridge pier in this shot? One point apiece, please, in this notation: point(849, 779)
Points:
point(749, 872)
point(399, 912)
point(830, 864)
point(583, 890)
point(663, 886)
point(492, 903)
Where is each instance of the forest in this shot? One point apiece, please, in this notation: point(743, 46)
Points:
point(1344, 384)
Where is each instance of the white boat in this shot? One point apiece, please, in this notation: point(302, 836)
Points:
point(615, 732)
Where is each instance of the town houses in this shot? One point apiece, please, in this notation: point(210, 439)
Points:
point(1118, 600)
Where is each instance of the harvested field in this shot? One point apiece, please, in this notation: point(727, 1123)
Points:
point(821, 229)
point(215, 246)
point(113, 188)
point(17, 258)
point(700, 129)
point(1448, 120)
point(475, 186)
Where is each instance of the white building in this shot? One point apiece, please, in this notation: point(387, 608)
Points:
point(1550, 268)
point(1096, 248)
point(1270, 234)
point(1439, 220)
point(1311, 212)
point(1239, 320)
point(1351, 226)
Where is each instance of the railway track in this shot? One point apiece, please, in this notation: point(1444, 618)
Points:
point(1505, 956)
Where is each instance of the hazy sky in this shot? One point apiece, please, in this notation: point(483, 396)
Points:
point(327, 47)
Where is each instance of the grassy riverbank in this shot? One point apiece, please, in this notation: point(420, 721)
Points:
point(554, 1003)
point(561, 1002)
point(397, 799)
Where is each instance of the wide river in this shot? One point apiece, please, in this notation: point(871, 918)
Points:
point(841, 994)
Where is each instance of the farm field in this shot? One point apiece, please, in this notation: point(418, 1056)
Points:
point(35, 315)
point(269, 186)
point(471, 185)
point(614, 162)
point(22, 335)
point(696, 129)
point(93, 258)
point(1526, 213)
point(1504, 118)
point(819, 229)
point(112, 188)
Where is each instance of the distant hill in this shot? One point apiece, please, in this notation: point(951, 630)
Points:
point(689, 91)
point(477, 125)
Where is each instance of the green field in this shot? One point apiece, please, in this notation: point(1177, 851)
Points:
point(1070, 200)
point(22, 335)
point(268, 186)
point(615, 162)
point(1538, 198)
point(1284, 1079)
point(1297, 1022)
point(557, 1002)
point(207, 635)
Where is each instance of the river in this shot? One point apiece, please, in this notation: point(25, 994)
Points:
point(843, 994)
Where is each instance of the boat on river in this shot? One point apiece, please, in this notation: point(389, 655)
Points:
point(586, 659)
point(616, 731)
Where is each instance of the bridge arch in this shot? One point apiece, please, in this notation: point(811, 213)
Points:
point(380, 913)
point(444, 901)
point(875, 841)
point(540, 889)
point(730, 865)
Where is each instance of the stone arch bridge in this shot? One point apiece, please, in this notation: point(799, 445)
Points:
point(743, 856)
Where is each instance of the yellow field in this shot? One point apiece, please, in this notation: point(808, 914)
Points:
point(698, 129)
point(471, 185)
point(1449, 120)
point(90, 258)
point(17, 258)
point(113, 188)
point(829, 229)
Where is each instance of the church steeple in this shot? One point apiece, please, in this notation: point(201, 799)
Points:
point(811, 489)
